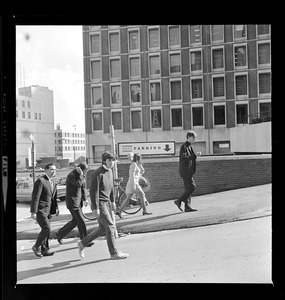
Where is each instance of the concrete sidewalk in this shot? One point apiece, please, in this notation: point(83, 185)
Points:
point(216, 208)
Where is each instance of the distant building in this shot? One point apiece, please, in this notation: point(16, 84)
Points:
point(34, 115)
point(69, 145)
point(154, 83)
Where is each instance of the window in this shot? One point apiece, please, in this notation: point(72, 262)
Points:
point(263, 29)
point(239, 32)
point(176, 117)
point(217, 33)
point(23, 103)
point(242, 114)
point(23, 115)
point(114, 42)
point(153, 38)
point(175, 65)
point(240, 56)
point(134, 43)
point(115, 68)
point(135, 66)
point(154, 64)
point(265, 110)
point(29, 115)
point(197, 114)
point(117, 120)
point(97, 121)
point(175, 90)
point(155, 91)
point(116, 94)
point(156, 118)
point(218, 87)
point(174, 36)
point(264, 83)
point(219, 115)
point(218, 58)
point(36, 116)
point(135, 89)
point(95, 45)
point(196, 60)
point(136, 119)
point(241, 85)
point(264, 53)
point(196, 85)
point(96, 95)
point(29, 104)
point(195, 34)
point(96, 69)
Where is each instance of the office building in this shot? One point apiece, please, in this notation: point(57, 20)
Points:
point(154, 83)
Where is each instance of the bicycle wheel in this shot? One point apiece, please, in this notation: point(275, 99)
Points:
point(87, 212)
point(133, 206)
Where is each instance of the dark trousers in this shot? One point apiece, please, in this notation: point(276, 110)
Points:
point(189, 187)
point(77, 220)
point(43, 237)
point(106, 226)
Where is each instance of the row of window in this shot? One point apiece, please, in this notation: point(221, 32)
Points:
point(67, 148)
point(28, 115)
point(69, 134)
point(176, 118)
point(72, 142)
point(174, 37)
point(175, 89)
point(240, 61)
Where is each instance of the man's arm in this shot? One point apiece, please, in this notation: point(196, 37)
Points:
point(37, 190)
point(94, 191)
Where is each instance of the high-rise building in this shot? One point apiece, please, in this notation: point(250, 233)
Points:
point(34, 116)
point(154, 83)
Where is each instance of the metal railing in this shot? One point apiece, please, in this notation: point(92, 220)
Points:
point(256, 118)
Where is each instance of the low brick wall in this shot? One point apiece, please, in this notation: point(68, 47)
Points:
point(213, 174)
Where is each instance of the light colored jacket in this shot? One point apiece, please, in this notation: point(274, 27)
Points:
point(134, 175)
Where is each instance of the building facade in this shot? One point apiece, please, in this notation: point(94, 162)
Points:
point(154, 83)
point(34, 116)
point(69, 145)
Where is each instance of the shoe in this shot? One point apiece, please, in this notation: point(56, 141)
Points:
point(47, 253)
point(80, 249)
point(119, 255)
point(119, 214)
point(189, 209)
point(58, 239)
point(90, 244)
point(147, 213)
point(177, 204)
point(37, 251)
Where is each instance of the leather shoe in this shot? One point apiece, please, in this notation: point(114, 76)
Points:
point(37, 251)
point(47, 253)
point(189, 209)
point(58, 239)
point(90, 244)
point(178, 204)
point(147, 213)
point(119, 255)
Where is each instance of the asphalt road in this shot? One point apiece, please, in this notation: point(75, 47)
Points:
point(238, 252)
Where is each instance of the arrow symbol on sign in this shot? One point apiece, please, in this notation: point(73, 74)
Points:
point(167, 148)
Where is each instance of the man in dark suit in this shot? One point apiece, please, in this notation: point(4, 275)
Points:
point(75, 195)
point(43, 205)
point(187, 168)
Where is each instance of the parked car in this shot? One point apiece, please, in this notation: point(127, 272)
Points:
point(24, 189)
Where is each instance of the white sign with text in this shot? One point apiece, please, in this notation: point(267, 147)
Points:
point(145, 148)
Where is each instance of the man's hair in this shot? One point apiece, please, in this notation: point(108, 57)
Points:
point(48, 165)
point(108, 155)
point(191, 133)
point(137, 157)
point(83, 166)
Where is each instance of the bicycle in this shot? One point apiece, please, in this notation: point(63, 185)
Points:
point(120, 195)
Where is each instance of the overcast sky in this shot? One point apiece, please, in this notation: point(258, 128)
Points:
point(52, 56)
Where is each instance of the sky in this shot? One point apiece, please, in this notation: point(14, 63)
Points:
point(52, 56)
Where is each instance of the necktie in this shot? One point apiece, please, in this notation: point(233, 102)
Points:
point(51, 184)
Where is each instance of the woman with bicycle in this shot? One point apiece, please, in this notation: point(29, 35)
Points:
point(133, 187)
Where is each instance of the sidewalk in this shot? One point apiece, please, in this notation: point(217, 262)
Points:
point(216, 208)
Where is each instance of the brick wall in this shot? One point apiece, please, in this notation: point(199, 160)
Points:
point(214, 174)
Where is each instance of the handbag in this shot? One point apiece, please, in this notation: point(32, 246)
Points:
point(144, 183)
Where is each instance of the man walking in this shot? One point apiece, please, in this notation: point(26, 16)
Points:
point(75, 196)
point(43, 205)
point(187, 168)
point(101, 196)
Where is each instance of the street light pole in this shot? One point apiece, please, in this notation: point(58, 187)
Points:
point(33, 157)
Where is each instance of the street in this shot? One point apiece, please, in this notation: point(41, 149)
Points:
point(237, 252)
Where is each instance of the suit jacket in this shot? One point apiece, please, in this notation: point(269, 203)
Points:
point(187, 160)
point(75, 190)
point(44, 200)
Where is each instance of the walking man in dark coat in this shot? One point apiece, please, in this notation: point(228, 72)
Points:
point(187, 168)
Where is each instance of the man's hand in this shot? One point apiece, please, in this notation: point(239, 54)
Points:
point(85, 203)
point(33, 216)
point(96, 212)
